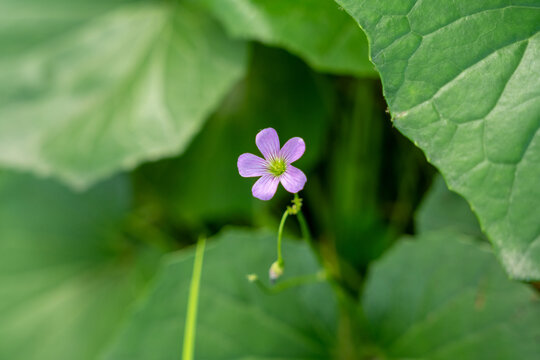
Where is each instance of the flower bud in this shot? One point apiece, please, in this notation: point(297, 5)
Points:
point(276, 270)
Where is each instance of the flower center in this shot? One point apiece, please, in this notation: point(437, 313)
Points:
point(277, 166)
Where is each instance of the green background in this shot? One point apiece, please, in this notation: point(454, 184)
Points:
point(121, 123)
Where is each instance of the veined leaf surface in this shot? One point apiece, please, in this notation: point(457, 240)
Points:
point(462, 80)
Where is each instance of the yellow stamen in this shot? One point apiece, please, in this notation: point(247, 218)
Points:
point(277, 166)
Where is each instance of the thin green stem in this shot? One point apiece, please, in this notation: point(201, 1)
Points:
point(280, 238)
point(193, 301)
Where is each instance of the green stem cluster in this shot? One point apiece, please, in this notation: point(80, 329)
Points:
point(295, 209)
point(276, 270)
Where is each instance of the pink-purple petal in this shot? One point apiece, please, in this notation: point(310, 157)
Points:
point(267, 141)
point(293, 180)
point(250, 165)
point(265, 187)
point(293, 149)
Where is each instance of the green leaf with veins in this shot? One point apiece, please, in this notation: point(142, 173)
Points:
point(236, 319)
point(442, 297)
point(315, 30)
point(461, 80)
point(67, 274)
point(91, 88)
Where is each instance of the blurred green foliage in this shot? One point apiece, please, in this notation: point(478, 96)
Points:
point(444, 209)
point(100, 93)
point(68, 270)
point(316, 30)
point(443, 297)
point(120, 126)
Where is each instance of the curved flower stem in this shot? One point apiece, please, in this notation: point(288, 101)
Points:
point(280, 238)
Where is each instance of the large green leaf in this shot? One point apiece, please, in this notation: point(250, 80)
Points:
point(313, 29)
point(296, 93)
point(91, 87)
point(67, 276)
point(236, 320)
point(442, 297)
point(461, 79)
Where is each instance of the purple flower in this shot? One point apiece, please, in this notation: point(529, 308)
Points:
point(275, 167)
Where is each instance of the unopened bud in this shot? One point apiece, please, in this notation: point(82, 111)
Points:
point(276, 270)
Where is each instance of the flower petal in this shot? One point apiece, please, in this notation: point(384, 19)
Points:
point(265, 187)
point(267, 141)
point(293, 149)
point(293, 180)
point(250, 165)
